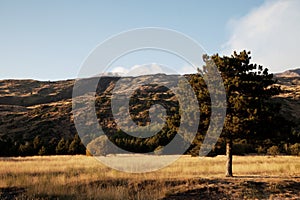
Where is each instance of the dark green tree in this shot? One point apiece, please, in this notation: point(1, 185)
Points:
point(51, 146)
point(42, 151)
point(26, 149)
point(76, 146)
point(37, 143)
point(62, 147)
point(201, 91)
point(248, 87)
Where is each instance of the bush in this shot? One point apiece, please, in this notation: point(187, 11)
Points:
point(76, 146)
point(26, 149)
point(42, 151)
point(62, 147)
point(101, 146)
point(261, 150)
point(295, 149)
point(273, 150)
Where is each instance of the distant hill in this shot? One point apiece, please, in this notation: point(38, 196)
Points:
point(289, 81)
point(289, 73)
point(289, 99)
point(30, 108)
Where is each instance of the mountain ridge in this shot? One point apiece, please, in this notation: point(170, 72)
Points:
point(30, 108)
point(289, 73)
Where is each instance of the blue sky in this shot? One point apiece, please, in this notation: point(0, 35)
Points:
point(49, 40)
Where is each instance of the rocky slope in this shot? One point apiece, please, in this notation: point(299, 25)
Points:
point(30, 108)
point(290, 97)
point(289, 73)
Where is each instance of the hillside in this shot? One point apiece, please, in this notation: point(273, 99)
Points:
point(292, 73)
point(289, 81)
point(30, 108)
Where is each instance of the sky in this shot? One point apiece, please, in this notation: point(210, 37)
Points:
point(50, 40)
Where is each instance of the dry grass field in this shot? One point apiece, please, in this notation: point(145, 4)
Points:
point(82, 177)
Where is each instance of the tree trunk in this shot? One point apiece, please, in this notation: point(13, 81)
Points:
point(229, 157)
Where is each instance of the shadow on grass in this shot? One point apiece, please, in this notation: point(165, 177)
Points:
point(239, 188)
point(11, 192)
point(53, 197)
point(264, 177)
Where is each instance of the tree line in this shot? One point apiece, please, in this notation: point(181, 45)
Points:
point(38, 146)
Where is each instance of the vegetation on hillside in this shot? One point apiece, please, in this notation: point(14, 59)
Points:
point(256, 120)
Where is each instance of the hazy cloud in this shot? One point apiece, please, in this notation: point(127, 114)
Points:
point(271, 32)
point(120, 70)
point(153, 68)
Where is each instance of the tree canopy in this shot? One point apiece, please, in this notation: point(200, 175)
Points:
point(248, 88)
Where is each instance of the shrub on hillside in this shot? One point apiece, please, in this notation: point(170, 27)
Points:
point(261, 150)
point(42, 151)
point(101, 146)
point(273, 151)
point(26, 149)
point(295, 149)
point(62, 147)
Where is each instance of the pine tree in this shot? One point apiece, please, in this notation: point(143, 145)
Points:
point(37, 143)
point(26, 149)
point(248, 87)
point(62, 147)
point(42, 151)
point(76, 146)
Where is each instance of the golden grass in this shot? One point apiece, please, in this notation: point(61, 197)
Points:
point(85, 177)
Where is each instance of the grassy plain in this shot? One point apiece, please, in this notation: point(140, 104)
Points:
point(82, 177)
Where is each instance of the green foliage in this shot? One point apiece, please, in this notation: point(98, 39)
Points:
point(248, 86)
point(101, 147)
point(76, 146)
point(252, 115)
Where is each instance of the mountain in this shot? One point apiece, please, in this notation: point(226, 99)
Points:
point(289, 99)
point(30, 108)
point(289, 82)
point(289, 73)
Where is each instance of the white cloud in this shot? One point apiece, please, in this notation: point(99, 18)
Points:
point(153, 68)
point(119, 70)
point(187, 69)
point(145, 69)
point(271, 32)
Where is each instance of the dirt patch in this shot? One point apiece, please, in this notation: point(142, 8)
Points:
point(238, 189)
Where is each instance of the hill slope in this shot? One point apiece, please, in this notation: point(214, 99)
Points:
point(30, 108)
